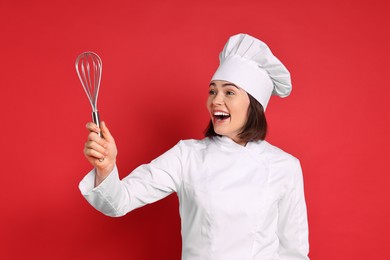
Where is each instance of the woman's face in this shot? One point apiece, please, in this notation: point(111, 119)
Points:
point(228, 107)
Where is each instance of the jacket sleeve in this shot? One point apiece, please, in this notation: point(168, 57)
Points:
point(146, 184)
point(292, 220)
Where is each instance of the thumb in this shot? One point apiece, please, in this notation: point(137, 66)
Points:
point(106, 133)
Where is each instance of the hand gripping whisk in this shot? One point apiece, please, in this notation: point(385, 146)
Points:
point(89, 70)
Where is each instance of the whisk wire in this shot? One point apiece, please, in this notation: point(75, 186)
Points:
point(89, 70)
point(90, 83)
point(97, 66)
point(87, 83)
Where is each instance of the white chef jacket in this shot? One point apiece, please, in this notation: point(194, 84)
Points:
point(236, 202)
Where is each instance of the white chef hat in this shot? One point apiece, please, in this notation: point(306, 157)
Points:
point(248, 63)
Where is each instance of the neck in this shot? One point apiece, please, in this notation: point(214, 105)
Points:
point(239, 141)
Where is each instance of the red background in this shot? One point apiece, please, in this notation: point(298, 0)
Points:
point(158, 59)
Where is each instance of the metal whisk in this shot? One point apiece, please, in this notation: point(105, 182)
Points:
point(89, 69)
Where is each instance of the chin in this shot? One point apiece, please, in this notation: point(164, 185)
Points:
point(221, 133)
point(218, 132)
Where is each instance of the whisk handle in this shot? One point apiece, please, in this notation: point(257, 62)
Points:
point(96, 120)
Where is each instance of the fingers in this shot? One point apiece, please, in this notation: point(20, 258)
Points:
point(94, 137)
point(92, 127)
point(94, 134)
point(100, 152)
point(106, 133)
point(93, 148)
point(93, 154)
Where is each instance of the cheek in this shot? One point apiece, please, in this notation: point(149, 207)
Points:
point(244, 114)
point(208, 104)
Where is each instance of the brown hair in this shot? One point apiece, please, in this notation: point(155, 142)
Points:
point(255, 127)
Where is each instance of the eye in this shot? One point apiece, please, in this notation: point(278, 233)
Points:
point(212, 92)
point(229, 93)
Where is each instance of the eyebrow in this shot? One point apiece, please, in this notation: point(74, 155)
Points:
point(224, 85)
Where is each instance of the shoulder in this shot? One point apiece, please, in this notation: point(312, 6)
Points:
point(194, 144)
point(278, 156)
point(282, 165)
point(276, 152)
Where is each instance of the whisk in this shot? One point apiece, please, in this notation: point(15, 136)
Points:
point(89, 69)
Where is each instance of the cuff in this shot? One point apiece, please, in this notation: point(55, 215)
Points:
point(87, 184)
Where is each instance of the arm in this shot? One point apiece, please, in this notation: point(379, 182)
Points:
point(146, 184)
point(292, 221)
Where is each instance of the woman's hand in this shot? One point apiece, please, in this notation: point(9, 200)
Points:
point(100, 152)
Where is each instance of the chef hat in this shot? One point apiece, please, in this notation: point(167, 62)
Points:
point(248, 63)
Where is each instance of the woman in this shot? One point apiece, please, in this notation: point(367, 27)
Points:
point(240, 197)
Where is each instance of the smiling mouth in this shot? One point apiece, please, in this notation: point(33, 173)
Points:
point(221, 115)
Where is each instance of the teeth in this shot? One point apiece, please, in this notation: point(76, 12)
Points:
point(220, 114)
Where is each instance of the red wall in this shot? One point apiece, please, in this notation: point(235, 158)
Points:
point(158, 59)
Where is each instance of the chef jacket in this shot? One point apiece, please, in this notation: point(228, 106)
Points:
point(236, 202)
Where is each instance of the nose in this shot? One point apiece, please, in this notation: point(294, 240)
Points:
point(218, 99)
